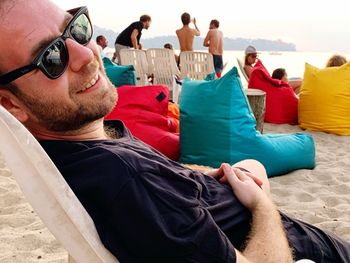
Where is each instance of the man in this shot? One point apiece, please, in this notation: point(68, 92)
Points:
point(146, 208)
point(187, 34)
point(102, 43)
point(215, 43)
point(130, 36)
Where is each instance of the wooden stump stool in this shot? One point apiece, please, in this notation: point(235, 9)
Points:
point(256, 100)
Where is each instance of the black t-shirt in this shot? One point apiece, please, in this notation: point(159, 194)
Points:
point(148, 208)
point(124, 38)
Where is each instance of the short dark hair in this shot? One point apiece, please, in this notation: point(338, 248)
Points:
point(145, 18)
point(99, 38)
point(278, 73)
point(168, 46)
point(185, 18)
point(215, 22)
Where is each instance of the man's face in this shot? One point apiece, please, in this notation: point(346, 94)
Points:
point(103, 42)
point(147, 24)
point(81, 95)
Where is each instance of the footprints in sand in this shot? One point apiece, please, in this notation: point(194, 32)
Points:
point(23, 237)
point(320, 196)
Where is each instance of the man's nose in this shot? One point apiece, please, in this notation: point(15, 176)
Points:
point(79, 55)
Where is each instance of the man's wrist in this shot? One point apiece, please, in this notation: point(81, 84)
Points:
point(263, 204)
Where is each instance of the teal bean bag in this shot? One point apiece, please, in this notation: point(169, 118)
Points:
point(217, 126)
point(119, 75)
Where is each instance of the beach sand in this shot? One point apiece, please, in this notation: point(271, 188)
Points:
point(320, 196)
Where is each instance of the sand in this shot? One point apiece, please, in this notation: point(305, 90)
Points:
point(320, 196)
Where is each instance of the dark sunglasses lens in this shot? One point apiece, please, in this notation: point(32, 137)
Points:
point(55, 59)
point(81, 29)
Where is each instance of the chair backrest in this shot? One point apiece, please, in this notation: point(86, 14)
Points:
point(138, 59)
point(49, 194)
point(242, 71)
point(162, 65)
point(196, 65)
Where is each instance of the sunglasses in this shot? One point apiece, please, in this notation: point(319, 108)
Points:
point(53, 60)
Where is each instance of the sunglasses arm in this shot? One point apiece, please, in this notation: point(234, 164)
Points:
point(9, 77)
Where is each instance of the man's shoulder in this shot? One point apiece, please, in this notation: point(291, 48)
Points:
point(65, 150)
point(137, 25)
point(180, 30)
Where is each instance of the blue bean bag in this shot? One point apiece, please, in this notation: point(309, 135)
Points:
point(217, 125)
point(119, 75)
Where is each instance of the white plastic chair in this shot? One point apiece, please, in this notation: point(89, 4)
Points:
point(162, 64)
point(49, 194)
point(196, 65)
point(138, 59)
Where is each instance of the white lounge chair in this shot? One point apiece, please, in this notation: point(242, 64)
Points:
point(196, 65)
point(49, 194)
point(162, 64)
point(138, 59)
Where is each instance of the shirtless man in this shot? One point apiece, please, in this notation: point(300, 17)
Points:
point(187, 34)
point(215, 43)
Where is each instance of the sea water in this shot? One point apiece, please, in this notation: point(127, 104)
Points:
point(292, 61)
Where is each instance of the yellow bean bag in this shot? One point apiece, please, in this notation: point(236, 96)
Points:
point(324, 103)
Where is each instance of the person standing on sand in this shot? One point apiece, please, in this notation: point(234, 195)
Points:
point(187, 34)
point(130, 37)
point(215, 43)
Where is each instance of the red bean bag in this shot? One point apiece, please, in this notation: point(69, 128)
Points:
point(281, 101)
point(144, 110)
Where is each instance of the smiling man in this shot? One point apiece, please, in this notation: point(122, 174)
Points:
point(146, 208)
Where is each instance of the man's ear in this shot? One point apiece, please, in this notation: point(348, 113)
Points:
point(11, 103)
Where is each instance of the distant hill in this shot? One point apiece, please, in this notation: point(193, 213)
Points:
point(229, 43)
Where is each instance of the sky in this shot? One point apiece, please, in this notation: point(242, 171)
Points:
point(310, 24)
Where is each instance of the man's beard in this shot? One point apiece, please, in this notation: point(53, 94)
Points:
point(74, 115)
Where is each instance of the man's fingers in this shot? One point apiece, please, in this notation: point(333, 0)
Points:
point(240, 174)
point(216, 173)
point(256, 179)
point(233, 175)
point(243, 176)
point(230, 175)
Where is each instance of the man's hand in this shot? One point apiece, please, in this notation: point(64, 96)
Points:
point(220, 175)
point(245, 188)
point(267, 242)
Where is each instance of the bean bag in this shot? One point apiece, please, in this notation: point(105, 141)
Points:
point(325, 99)
point(119, 75)
point(281, 101)
point(144, 111)
point(217, 126)
point(174, 113)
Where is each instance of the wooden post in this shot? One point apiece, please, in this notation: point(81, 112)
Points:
point(256, 100)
